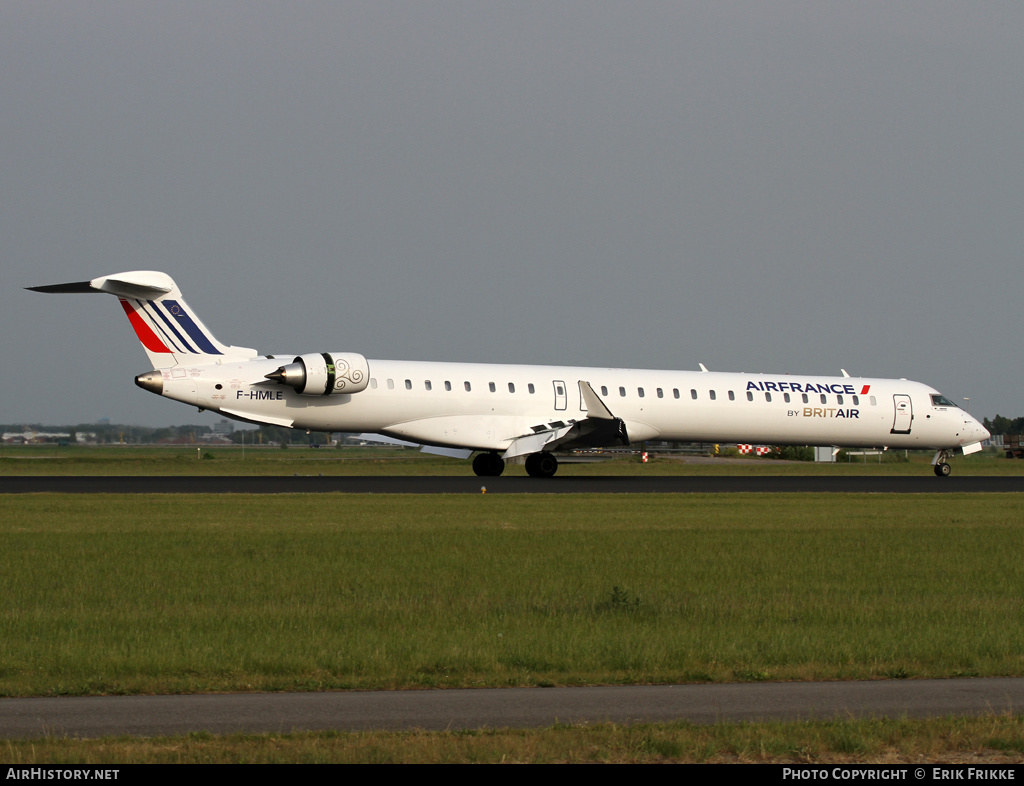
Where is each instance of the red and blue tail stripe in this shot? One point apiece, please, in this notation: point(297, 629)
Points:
point(164, 326)
point(145, 333)
point(193, 330)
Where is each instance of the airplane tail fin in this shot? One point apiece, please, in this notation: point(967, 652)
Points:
point(168, 329)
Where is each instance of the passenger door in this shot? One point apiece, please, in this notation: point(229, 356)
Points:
point(904, 414)
point(560, 394)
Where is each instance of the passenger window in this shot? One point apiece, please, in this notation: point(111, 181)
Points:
point(426, 384)
point(373, 383)
point(804, 397)
point(732, 395)
point(856, 401)
point(750, 396)
point(872, 399)
point(640, 392)
point(661, 393)
point(824, 399)
point(530, 387)
point(490, 386)
point(447, 385)
point(604, 390)
point(767, 396)
point(839, 399)
point(391, 384)
point(511, 388)
point(622, 392)
point(468, 386)
point(711, 394)
point(693, 394)
point(785, 397)
point(675, 392)
point(408, 384)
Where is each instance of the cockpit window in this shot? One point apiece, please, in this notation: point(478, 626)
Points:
point(942, 401)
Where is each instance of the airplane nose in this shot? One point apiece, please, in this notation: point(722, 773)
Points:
point(979, 432)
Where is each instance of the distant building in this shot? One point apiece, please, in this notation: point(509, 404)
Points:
point(31, 436)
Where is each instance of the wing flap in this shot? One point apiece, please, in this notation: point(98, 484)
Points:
point(535, 443)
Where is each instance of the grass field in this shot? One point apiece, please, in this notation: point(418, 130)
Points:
point(985, 741)
point(117, 594)
point(179, 593)
point(111, 594)
point(231, 460)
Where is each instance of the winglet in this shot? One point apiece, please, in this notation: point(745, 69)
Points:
point(595, 407)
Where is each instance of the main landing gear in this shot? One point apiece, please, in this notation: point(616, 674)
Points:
point(541, 465)
point(941, 467)
point(538, 465)
point(488, 465)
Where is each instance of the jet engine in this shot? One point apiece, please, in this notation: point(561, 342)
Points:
point(325, 374)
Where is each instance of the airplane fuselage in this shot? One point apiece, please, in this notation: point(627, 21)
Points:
point(488, 406)
point(506, 411)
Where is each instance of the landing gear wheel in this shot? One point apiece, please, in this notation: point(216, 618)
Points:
point(541, 465)
point(488, 465)
point(940, 465)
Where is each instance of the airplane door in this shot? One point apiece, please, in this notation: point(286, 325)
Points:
point(560, 395)
point(904, 414)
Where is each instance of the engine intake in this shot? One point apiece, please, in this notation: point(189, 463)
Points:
point(325, 374)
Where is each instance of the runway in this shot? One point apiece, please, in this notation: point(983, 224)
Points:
point(255, 713)
point(317, 484)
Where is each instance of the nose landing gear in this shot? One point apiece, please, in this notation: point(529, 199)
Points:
point(939, 464)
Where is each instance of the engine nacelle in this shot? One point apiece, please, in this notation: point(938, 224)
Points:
point(325, 374)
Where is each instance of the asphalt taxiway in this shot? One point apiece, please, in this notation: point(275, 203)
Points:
point(91, 716)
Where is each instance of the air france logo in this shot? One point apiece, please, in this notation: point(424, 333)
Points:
point(806, 387)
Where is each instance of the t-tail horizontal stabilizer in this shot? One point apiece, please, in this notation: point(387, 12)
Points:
point(145, 284)
point(169, 331)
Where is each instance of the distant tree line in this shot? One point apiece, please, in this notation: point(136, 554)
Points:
point(1001, 425)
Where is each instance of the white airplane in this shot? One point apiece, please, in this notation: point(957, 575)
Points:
point(505, 411)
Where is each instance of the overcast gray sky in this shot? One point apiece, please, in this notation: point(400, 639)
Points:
point(758, 186)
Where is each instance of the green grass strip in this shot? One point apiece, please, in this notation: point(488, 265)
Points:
point(977, 741)
point(180, 593)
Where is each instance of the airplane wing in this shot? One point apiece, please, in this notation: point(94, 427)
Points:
point(459, 453)
point(600, 428)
